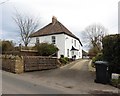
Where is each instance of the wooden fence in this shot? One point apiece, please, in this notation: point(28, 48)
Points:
point(32, 63)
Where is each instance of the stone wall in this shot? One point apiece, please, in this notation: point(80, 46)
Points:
point(20, 64)
point(32, 63)
point(22, 53)
point(12, 64)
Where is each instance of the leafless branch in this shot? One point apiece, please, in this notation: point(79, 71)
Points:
point(26, 25)
point(94, 35)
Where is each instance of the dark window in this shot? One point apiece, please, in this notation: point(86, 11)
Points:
point(37, 41)
point(75, 43)
point(72, 40)
point(53, 40)
point(68, 52)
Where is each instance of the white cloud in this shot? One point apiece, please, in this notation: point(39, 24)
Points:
point(74, 14)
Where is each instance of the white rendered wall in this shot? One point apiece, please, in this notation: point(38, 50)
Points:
point(60, 38)
point(69, 42)
point(63, 42)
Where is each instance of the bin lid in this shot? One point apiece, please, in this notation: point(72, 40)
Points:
point(101, 62)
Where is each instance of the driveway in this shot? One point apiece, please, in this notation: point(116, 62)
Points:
point(74, 78)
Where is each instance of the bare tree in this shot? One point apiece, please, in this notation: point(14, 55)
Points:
point(26, 25)
point(94, 34)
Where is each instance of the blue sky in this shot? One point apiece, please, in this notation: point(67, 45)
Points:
point(76, 15)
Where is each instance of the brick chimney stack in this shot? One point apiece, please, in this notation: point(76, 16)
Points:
point(54, 20)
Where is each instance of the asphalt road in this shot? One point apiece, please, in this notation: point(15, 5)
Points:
point(11, 84)
point(73, 78)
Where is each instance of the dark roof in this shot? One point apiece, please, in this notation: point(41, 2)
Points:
point(53, 28)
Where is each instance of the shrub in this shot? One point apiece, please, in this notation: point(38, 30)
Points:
point(98, 57)
point(67, 59)
point(111, 49)
point(115, 82)
point(7, 46)
point(93, 52)
point(45, 49)
point(63, 60)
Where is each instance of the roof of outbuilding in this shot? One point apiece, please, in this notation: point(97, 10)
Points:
point(53, 28)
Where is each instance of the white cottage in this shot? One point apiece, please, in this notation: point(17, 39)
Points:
point(56, 33)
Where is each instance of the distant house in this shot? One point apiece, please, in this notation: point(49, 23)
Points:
point(56, 33)
point(84, 54)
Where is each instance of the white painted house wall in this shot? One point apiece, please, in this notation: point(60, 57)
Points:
point(69, 42)
point(63, 42)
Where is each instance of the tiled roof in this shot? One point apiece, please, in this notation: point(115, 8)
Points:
point(53, 28)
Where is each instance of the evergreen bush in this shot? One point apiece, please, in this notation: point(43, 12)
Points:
point(45, 49)
point(111, 51)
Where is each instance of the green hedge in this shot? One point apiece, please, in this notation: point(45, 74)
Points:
point(6, 46)
point(98, 57)
point(111, 49)
point(46, 49)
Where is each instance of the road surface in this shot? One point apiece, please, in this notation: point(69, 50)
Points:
point(73, 78)
point(13, 84)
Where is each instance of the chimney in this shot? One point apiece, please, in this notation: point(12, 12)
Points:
point(54, 20)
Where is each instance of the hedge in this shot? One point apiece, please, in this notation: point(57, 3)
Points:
point(111, 49)
point(46, 49)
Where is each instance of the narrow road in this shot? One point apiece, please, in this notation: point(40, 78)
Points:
point(73, 78)
point(13, 84)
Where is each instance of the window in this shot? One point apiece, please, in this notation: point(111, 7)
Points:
point(37, 40)
point(72, 53)
point(79, 54)
point(53, 40)
point(67, 52)
point(75, 43)
point(72, 40)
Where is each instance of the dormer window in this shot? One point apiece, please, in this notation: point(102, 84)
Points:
point(53, 39)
